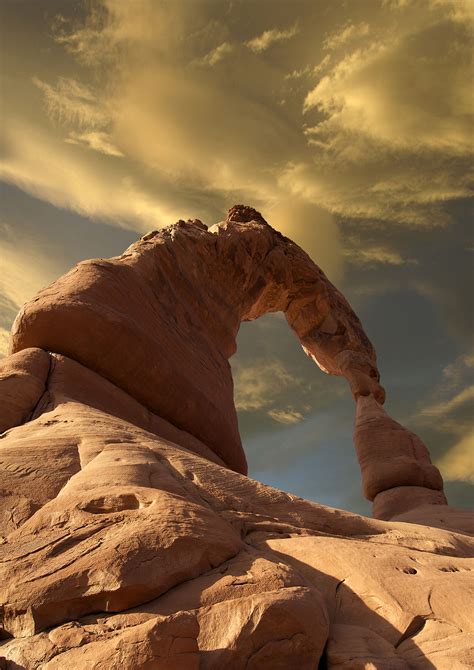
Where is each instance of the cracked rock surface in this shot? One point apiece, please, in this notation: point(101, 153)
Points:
point(132, 537)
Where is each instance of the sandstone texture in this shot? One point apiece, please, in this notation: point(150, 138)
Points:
point(131, 535)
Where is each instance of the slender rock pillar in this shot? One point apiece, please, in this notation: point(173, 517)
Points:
point(397, 473)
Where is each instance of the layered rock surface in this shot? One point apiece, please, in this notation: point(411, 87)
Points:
point(132, 537)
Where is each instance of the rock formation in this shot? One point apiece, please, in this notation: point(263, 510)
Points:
point(132, 537)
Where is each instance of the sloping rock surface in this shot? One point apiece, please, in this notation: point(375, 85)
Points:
point(132, 537)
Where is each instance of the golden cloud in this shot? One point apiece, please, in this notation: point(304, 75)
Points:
point(24, 270)
point(66, 176)
point(257, 387)
point(458, 463)
point(367, 254)
point(71, 102)
point(395, 137)
point(95, 140)
point(349, 33)
point(286, 416)
point(313, 229)
point(452, 406)
point(268, 37)
point(216, 55)
point(385, 132)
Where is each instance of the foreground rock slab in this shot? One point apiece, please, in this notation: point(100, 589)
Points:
point(132, 537)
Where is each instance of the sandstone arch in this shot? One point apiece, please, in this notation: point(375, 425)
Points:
point(124, 476)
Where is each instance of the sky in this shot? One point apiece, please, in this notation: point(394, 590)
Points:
point(347, 123)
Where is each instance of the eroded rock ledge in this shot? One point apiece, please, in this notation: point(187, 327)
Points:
point(132, 537)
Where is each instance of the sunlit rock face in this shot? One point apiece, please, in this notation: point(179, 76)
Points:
point(132, 537)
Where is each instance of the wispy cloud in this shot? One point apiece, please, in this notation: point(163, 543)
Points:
point(95, 140)
point(386, 134)
point(24, 270)
point(286, 416)
point(371, 93)
point(215, 55)
point(85, 41)
point(393, 137)
point(310, 70)
point(257, 387)
point(375, 255)
point(71, 102)
point(458, 463)
point(50, 169)
point(451, 402)
point(463, 399)
point(268, 37)
point(454, 373)
point(266, 387)
point(348, 33)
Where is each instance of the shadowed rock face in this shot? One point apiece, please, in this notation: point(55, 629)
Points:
point(132, 537)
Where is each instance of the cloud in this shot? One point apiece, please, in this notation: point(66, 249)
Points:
point(384, 134)
point(348, 33)
point(84, 41)
point(23, 269)
point(458, 463)
point(393, 136)
point(268, 37)
point(108, 24)
point(286, 416)
point(408, 190)
point(95, 140)
point(449, 412)
point(374, 255)
point(114, 31)
point(463, 399)
point(455, 372)
point(313, 229)
point(393, 92)
point(201, 130)
point(71, 102)
point(258, 386)
point(216, 55)
point(47, 168)
point(309, 70)
point(459, 10)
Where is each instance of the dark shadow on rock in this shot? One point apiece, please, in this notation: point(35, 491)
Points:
point(372, 622)
point(5, 664)
point(347, 614)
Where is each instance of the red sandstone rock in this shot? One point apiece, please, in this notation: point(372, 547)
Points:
point(22, 379)
point(129, 539)
point(389, 454)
